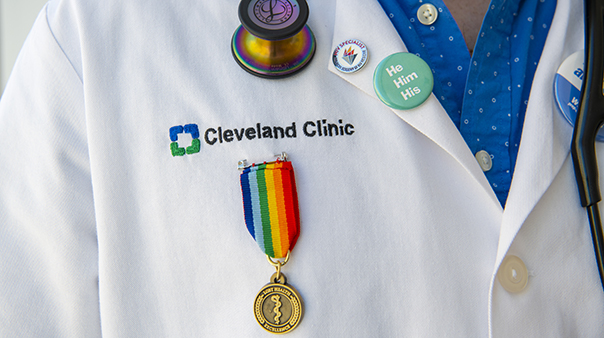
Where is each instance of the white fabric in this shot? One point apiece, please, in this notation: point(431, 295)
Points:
point(104, 233)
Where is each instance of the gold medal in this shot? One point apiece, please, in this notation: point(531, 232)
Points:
point(270, 207)
point(278, 306)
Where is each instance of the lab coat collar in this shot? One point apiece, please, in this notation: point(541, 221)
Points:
point(546, 136)
point(544, 127)
point(366, 21)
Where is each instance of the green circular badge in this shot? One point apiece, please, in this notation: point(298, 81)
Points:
point(403, 81)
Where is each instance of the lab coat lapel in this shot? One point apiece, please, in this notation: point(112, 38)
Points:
point(366, 20)
point(546, 136)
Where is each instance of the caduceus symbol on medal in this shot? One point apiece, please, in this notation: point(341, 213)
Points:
point(276, 300)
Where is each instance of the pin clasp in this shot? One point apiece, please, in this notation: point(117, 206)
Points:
point(282, 157)
point(241, 165)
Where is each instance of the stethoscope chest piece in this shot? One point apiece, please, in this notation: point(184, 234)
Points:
point(273, 40)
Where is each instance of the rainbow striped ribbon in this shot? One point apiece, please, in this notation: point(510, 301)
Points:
point(270, 205)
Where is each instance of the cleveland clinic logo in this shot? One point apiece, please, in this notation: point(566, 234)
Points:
point(187, 139)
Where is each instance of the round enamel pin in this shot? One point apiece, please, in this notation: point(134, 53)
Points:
point(350, 56)
point(278, 306)
point(403, 81)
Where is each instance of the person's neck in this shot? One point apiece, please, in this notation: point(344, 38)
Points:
point(469, 15)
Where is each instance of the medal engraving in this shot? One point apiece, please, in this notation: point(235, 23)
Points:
point(278, 304)
point(278, 307)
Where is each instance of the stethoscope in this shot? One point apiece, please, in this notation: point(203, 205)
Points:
point(590, 117)
point(275, 42)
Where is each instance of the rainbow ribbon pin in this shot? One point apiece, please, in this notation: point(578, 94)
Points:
point(270, 206)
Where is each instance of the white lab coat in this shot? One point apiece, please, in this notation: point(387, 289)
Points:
point(104, 232)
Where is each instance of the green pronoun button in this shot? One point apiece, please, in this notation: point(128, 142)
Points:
point(403, 81)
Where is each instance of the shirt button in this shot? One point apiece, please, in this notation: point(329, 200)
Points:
point(427, 14)
point(485, 161)
point(512, 274)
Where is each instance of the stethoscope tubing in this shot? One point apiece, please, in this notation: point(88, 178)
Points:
point(590, 118)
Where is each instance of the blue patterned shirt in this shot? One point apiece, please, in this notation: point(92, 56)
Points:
point(485, 94)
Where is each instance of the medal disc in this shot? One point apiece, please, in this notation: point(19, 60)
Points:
point(278, 307)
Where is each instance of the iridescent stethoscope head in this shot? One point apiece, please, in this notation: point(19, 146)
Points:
point(273, 40)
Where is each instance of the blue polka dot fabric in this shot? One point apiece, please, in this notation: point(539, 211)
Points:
point(486, 94)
